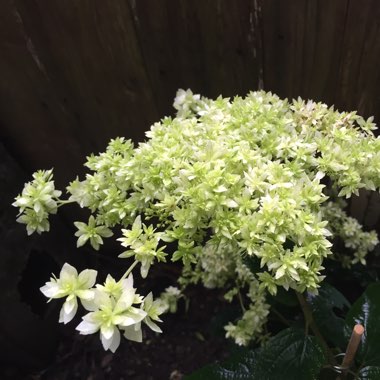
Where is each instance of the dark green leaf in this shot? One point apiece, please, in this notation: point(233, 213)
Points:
point(366, 311)
point(323, 306)
point(290, 352)
point(369, 373)
point(238, 367)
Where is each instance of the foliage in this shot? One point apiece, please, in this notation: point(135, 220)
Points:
point(291, 351)
point(248, 191)
point(299, 355)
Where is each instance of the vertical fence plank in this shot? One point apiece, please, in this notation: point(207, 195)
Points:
point(33, 121)
point(210, 47)
point(359, 76)
point(373, 211)
point(302, 45)
point(170, 40)
point(358, 85)
point(76, 71)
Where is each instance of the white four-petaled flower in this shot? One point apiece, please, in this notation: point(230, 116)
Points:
point(113, 313)
point(73, 286)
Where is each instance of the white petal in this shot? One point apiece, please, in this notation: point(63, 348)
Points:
point(51, 290)
point(125, 301)
point(148, 301)
point(87, 278)
point(107, 331)
point(144, 269)
point(102, 299)
point(128, 282)
point(70, 305)
point(85, 294)
point(131, 317)
point(133, 333)
point(89, 305)
point(109, 278)
point(82, 239)
point(92, 317)
point(68, 273)
point(86, 328)
point(112, 343)
point(115, 341)
point(152, 325)
point(67, 317)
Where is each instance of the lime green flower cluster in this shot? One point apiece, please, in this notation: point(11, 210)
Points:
point(169, 299)
point(38, 199)
point(351, 233)
point(91, 232)
point(228, 180)
point(251, 324)
point(143, 242)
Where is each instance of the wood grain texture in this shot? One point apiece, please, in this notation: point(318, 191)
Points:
point(208, 46)
point(76, 73)
point(73, 78)
point(359, 76)
point(302, 42)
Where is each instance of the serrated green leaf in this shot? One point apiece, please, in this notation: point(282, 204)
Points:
point(290, 352)
point(239, 367)
point(369, 373)
point(323, 306)
point(366, 311)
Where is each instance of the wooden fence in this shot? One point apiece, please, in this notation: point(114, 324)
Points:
point(75, 73)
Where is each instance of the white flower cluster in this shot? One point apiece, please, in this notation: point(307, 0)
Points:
point(225, 180)
point(251, 324)
point(113, 307)
point(169, 299)
point(186, 103)
point(216, 266)
point(351, 232)
point(39, 198)
point(143, 242)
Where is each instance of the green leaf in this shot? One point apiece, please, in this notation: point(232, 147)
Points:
point(290, 352)
point(238, 367)
point(369, 373)
point(366, 311)
point(323, 306)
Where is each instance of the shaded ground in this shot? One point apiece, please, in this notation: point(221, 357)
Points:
point(190, 340)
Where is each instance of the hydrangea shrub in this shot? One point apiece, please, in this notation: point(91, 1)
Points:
point(234, 184)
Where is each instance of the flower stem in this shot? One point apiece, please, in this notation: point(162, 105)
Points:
point(309, 321)
point(64, 202)
point(241, 302)
point(280, 316)
point(129, 270)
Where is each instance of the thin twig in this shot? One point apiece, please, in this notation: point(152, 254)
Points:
point(129, 270)
point(280, 316)
point(241, 302)
point(309, 321)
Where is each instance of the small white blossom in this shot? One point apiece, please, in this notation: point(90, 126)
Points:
point(91, 232)
point(111, 314)
point(38, 199)
point(153, 310)
point(169, 299)
point(72, 286)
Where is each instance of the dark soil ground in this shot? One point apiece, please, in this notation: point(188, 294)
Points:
point(191, 339)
